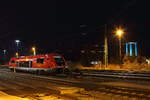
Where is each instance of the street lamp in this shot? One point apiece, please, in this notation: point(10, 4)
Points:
point(119, 33)
point(17, 42)
point(34, 50)
point(17, 55)
point(4, 51)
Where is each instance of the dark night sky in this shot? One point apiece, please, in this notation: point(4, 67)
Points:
point(57, 25)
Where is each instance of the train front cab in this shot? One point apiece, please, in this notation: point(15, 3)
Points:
point(56, 63)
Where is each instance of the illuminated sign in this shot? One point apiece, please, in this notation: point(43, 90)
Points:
point(131, 49)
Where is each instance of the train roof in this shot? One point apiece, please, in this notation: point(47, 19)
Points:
point(37, 56)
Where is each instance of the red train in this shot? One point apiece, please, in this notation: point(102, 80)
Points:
point(47, 63)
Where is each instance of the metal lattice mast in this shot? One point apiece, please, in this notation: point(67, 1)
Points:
point(106, 48)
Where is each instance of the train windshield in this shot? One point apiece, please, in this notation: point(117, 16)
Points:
point(59, 61)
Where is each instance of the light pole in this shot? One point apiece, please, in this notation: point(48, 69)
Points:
point(105, 48)
point(17, 43)
point(34, 50)
point(4, 51)
point(17, 55)
point(119, 32)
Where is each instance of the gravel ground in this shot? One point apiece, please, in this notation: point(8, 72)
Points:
point(25, 86)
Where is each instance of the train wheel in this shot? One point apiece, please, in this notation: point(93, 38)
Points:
point(78, 71)
point(34, 72)
point(67, 71)
point(40, 72)
point(11, 69)
point(59, 71)
point(37, 72)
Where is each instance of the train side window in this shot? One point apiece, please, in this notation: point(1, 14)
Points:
point(40, 61)
point(12, 61)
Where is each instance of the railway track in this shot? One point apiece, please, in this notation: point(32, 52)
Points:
point(86, 81)
point(131, 75)
point(90, 86)
point(124, 91)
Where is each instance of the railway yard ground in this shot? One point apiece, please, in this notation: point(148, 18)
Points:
point(91, 85)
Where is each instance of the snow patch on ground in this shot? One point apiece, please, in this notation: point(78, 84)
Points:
point(69, 90)
point(4, 96)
